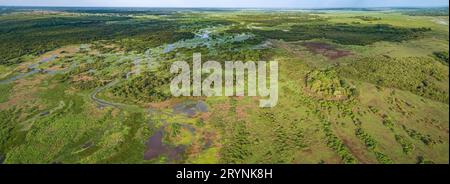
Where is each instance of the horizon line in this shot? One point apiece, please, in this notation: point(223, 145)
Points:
point(230, 7)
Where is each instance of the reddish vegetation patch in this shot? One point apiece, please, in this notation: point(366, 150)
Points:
point(326, 50)
point(163, 104)
point(224, 107)
point(242, 110)
point(82, 78)
point(23, 92)
point(205, 116)
point(207, 140)
point(194, 149)
point(169, 103)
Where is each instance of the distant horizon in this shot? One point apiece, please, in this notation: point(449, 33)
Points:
point(244, 4)
point(204, 7)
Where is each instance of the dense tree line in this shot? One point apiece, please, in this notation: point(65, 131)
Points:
point(277, 18)
point(367, 18)
point(427, 12)
point(346, 34)
point(25, 34)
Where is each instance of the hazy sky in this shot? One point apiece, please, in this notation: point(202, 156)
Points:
point(230, 3)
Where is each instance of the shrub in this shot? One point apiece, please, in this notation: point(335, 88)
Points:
point(327, 85)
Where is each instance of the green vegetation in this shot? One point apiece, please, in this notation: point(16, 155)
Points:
point(5, 90)
point(426, 139)
point(328, 85)
point(9, 135)
point(148, 87)
point(92, 86)
point(367, 18)
point(420, 75)
point(421, 160)
point(406, 145)
point(336, 144)
point(427, 12)
point(237, 150)
point(47, 32)
point(371, 144)
point(442, 56)
point(345, 34)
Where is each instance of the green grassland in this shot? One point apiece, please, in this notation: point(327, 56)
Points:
point(354, 87)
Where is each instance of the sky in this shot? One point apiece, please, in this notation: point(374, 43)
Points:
point(229, 3)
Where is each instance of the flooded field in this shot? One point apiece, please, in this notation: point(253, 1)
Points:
point(190, 108)
point(156, 148)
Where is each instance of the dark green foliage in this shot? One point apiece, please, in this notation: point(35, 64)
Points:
point(19, 33)
point(12, 61)
point(9, 134)
point(282, 144)
point(407, 146)
point(370, 143)
point(422, 160)
point(367, 18)
point(133, 127)
point(287, 138)
point(426, 139)
point(441, 56)
point(326, 84)
point(236, 148)
point(5, 91)
point(276, 18)
point(89, 84)
point(387, 122)
point(420, 75)
point(337, 144)
point(297, 134)
point(144, 42)
point(230, 54)
point(427, 12)
point(382, 158)
point(151, 86)
point(89, 81)
point(342, 33)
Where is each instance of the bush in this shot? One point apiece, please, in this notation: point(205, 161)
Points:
point(370, 143)
point(327, 85)
point(367, 18)
point(336, 144)
point(407, 146)
point(441, 56)
point(426, 139)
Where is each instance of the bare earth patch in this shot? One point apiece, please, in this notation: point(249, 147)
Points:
point(23, 92)
point(326, 50)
